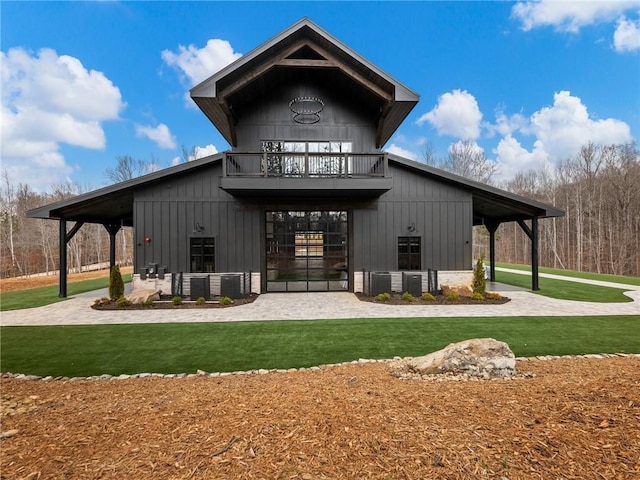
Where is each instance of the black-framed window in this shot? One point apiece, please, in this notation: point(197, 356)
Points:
point(203, 254)
point(409, 253)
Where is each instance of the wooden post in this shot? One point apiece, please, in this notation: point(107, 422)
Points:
point(62, 291)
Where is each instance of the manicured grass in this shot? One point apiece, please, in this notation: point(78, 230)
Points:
point(37, 297)
point(571, 273)
point(220, 347)
point(565, 290)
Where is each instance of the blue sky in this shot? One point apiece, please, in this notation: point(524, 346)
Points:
point(527, 82)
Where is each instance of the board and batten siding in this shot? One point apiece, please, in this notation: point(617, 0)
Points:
point(168, 212)
point(442, 215)
point(270, 119)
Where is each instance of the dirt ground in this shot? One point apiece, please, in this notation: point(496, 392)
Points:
point(569, 418)
point(23, 283)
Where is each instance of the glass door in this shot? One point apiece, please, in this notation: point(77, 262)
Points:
point(307, 251)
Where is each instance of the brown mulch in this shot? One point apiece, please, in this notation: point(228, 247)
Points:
point(23, 283)
point(561, 419)
point(165, 303)
point(439, 299)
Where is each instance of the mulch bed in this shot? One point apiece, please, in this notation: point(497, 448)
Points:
point(166, 303)
point(439, 300)
point(572, 418)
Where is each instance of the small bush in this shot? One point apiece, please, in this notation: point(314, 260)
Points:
point(123, 302)
point(407, 297)
point(453, 297)
point(147, 303)
point(116, 285)
point(494, 296)
point(479, 282)
point(383, 297)
point(201, 301)
point(428, 297)
point(477, 296)
point(101, 302)
point(176, 301)
point(225, 301)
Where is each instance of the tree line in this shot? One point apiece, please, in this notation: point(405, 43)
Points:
point(599, 189)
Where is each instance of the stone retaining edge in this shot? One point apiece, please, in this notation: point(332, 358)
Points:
point(262, 371)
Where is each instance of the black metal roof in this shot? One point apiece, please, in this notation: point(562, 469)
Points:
point(303, 46)
point(114, 204)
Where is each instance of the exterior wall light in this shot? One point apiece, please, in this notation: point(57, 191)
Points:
point(147, 240)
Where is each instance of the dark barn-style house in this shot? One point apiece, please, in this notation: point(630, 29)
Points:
point(306, 199)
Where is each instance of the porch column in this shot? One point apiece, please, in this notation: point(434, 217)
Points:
point(491, 227)
point(532, 233)
point(62, 291)
point(113, 231)
point(65, 238)
point(534, 254)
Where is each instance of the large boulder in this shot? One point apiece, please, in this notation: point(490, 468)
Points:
point(142, 296)
point(483, 357)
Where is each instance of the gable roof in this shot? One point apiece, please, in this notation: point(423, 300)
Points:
point(114, 204)
point(304, 45)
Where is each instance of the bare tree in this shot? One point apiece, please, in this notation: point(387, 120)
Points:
point(468, 160)
point(126, 169)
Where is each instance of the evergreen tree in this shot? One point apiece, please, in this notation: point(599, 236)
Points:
point(116, 285)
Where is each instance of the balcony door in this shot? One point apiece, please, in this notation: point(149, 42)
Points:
point(307, 251)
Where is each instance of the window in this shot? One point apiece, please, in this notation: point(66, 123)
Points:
point(319, 159)
point(409, 253)
point(203, 255)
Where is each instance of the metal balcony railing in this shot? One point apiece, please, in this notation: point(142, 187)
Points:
point(306, 165)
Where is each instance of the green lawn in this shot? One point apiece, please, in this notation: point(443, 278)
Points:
point(571, 273)
point(565, 290)
point(219, 347)
point(37, 297)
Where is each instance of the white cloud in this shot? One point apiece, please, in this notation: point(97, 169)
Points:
point(49, 100)
point(568, 15)
point(513, 158)
point(198, 64)
point(457, 114)
point(566, 126)
point(627, 36)
point(197, 152)
point(161, 135)
point(401, 152)
point(201, 152)
point(560, 131)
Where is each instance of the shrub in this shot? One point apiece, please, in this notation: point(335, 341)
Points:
point(479, 282)
point(147, 303)
point(225, 301)
point(176, 301)
point(428, 297)
point(477, 296)
point(494, 296)
point(116, 285)
point(122, 302)
point(383, 297)
point(201, 301)
point(101, 302)
point(408, 297)
point(453, 297)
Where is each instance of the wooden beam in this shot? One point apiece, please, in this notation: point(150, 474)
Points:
point(62, 262)
point(534, 254)
point(113, 231)
point(492, 226)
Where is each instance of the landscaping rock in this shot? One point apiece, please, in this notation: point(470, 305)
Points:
point(142, 296)
point(483, 357)
point(461, 290)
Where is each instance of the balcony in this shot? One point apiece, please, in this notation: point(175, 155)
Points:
point(291, 174)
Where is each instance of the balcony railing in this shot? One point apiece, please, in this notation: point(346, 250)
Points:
point(306, 165)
